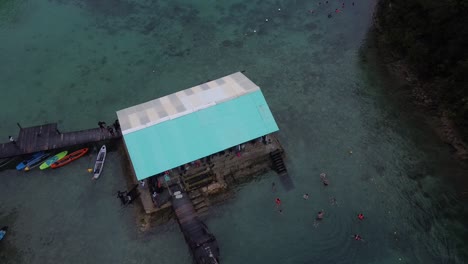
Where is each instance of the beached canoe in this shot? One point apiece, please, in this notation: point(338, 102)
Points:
point(35, 158)
point(55, 158)
point(101, 157)
point(69, 158)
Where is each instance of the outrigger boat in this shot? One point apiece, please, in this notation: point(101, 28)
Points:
point(69, 158)
point(101, 157)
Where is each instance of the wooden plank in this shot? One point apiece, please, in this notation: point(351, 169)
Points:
point(49, 139)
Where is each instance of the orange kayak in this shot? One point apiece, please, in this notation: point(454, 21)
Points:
point(69, 158)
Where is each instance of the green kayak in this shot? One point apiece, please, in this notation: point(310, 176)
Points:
point(49, 162)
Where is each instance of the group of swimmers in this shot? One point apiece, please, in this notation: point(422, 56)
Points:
point(321, 213)
point(337, 10)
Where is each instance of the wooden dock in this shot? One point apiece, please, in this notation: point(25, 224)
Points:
point(48, 137)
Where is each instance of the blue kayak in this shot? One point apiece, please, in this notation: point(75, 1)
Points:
point(36, 157)
point(3, 232)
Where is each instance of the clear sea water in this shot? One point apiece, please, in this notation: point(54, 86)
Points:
point(76, 62)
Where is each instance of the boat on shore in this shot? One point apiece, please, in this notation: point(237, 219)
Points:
point(35, 158)
point(46, 164)
point(69, 158)
point(101, 157)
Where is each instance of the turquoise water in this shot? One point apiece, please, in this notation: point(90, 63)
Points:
point(76, 62)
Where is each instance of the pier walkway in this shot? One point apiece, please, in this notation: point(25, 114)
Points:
point(48, 137)
point(202, 243)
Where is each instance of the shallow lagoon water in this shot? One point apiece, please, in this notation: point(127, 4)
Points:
point(77, 62)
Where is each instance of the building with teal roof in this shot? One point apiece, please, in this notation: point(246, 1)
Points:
point(179, 128)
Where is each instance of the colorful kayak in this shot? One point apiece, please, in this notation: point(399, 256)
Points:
point(101, 157)
point(69, 158)
point(55, 158)
point(35, 158)
point(39, 161)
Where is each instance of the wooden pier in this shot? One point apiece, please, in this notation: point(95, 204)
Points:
point(48, 137)
point(201, 242)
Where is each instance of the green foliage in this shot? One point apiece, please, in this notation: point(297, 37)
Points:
point(432, 36)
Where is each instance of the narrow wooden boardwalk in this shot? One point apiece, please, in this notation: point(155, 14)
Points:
point(48, 137)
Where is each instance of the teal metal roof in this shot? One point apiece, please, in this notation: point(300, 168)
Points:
point(196, 134)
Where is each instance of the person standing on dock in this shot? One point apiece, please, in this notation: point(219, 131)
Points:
point(116, 125)
point(111, 130)
point(12, 140)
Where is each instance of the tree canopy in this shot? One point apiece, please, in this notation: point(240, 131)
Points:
point(432, 36)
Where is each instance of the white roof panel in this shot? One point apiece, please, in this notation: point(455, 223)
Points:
point(185, 102)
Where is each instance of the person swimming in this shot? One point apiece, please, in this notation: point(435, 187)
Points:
point(357, 237)
point(320, 215)
point(360, 216)
point(305, 196)
point(278, 202)
point(324, 179)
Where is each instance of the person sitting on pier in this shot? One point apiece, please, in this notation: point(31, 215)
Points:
point(111, 130)
point(121, 196)
point(12, 140)
point(116, 125)
point(102, 124)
